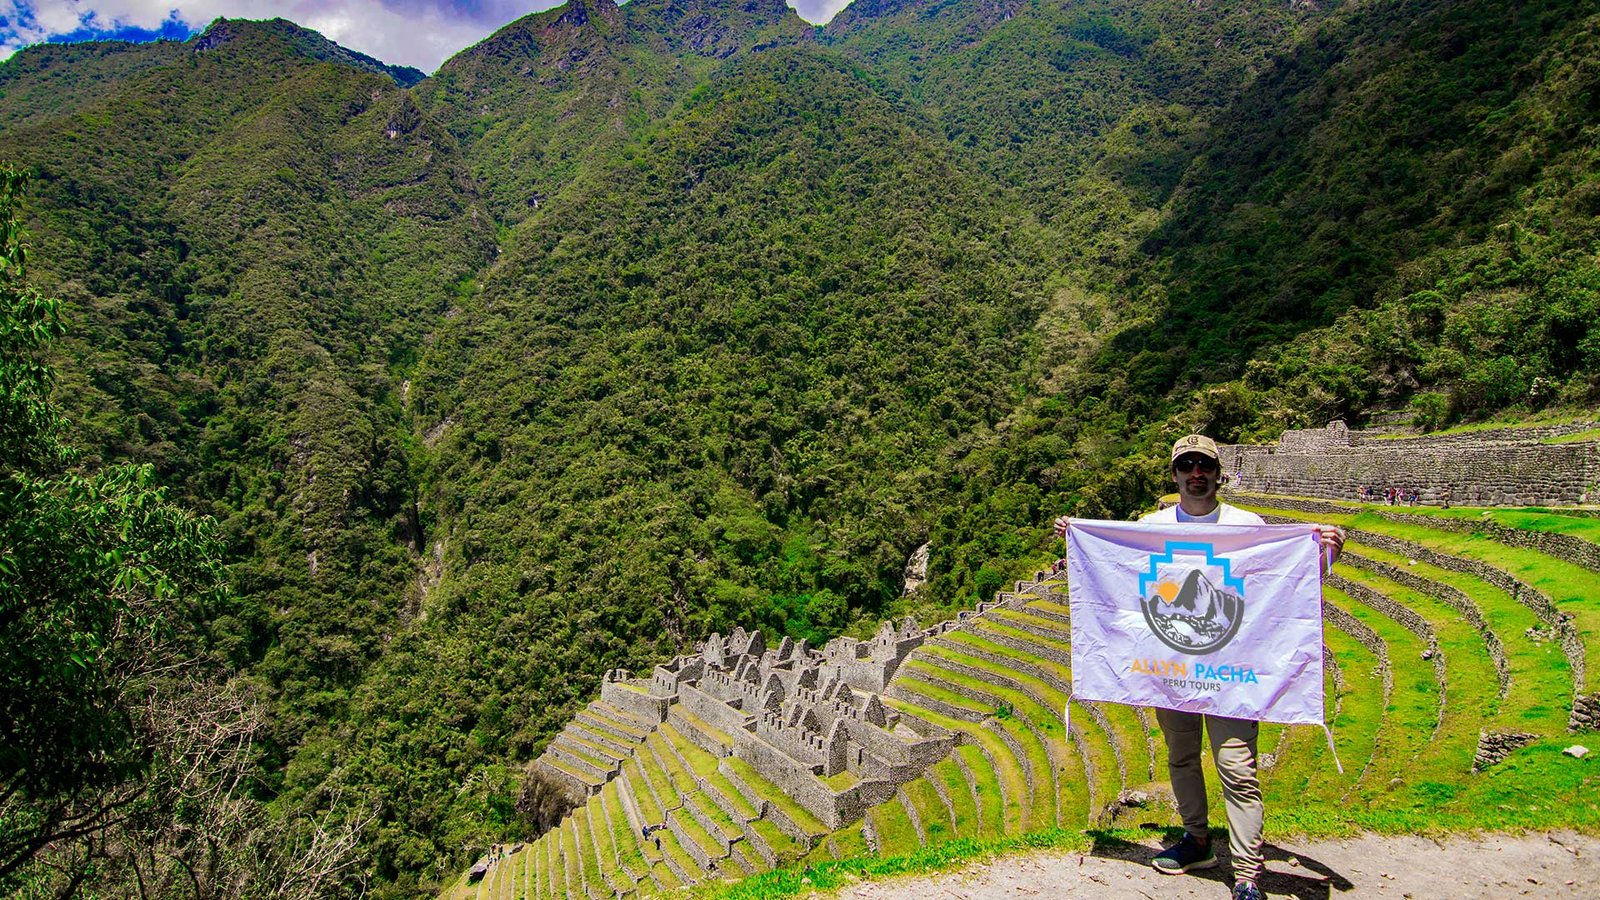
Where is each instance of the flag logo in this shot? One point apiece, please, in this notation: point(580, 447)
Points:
point(1190, 599)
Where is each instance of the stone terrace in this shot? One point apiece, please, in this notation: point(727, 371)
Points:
point(1505, 467)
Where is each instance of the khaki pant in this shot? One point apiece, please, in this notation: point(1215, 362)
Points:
point(1233, 746)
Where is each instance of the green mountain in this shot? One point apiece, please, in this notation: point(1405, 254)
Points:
point(253, 236)
point(636, 322)
point(554, 92)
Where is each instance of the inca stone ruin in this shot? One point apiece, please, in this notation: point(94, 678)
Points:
point(812, 722)
point(1508, 467)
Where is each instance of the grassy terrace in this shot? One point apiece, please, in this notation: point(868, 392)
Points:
point(1039, 700)
point(771, 793)
point(1140, 756)
point(1570, 587)
point(1431, 787)
point(993, 756)
point(1304, 777)
point(1541, 679)
point(1470, 699)
point(1015, 722)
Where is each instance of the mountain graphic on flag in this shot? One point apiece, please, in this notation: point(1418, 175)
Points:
point(1199, 618)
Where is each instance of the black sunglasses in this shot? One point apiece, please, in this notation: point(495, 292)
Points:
point(1186, 464)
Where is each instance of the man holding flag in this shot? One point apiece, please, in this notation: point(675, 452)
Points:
point(1195, 604)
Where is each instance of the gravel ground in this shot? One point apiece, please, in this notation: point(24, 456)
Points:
point(1559, 864)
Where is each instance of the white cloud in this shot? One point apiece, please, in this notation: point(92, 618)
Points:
point(421, 33)
point(818, 12)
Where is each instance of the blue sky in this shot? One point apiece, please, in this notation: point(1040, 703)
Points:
point(421, 33)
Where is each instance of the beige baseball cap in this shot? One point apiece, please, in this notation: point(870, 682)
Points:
point(1195, 443)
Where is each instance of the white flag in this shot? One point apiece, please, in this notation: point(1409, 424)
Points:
point(1217, 619)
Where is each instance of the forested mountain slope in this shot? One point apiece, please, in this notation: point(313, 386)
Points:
point(1396, 212)
point(636, 322)
point(556, 92)
point(251, 242)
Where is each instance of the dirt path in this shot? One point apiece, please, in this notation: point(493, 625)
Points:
point(1559, 864)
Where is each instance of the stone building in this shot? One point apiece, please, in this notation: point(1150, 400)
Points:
point(812, 722)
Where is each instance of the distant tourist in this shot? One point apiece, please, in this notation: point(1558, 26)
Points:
point(1196, 469)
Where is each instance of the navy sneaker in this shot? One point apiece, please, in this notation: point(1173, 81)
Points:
point(1247, 890)
point(1184, 856)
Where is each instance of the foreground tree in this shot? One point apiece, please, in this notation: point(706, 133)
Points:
point(124, 741)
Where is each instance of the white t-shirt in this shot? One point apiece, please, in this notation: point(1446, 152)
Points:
point(1222, 515)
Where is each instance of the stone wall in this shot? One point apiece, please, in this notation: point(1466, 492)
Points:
point(636, 700)
point(1366, 637)
point(794, 779)
point(1508, 468)
point(1564, 547)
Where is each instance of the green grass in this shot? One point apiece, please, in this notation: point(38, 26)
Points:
point(1057, 631)
point(959, 790)
point(589, 864)
point(580, 775)
point(843, 780)
point(670, 847)
point(594, 751)
point(605, 714)
point(588, 752)
point(723, 786)
point(623, 837)
point(696, 832)
point(1499, 423)
point(1050, 605)
point(1006, 768)
point(1577, 437)
point(986, 787)
point(566, 862)
point(606, 856)
point(1036, 759)
point(682, 782)
point(1413, 706)
point(935, 816)
point(909, 680)
point(989, 630)
point(1585, 528)
point(1040, 702)
point(649, 810)
point(833, 874)
point(1471, 699)
point(540, 851)
point(896, 834)
point(1305, 776)
point(699, 761)
point(1541, 679)
point(786, 847)
point(704, 727)
point(1570, 587)
point(666, 792)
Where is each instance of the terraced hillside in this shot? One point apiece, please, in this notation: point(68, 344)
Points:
point(1461, 654)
